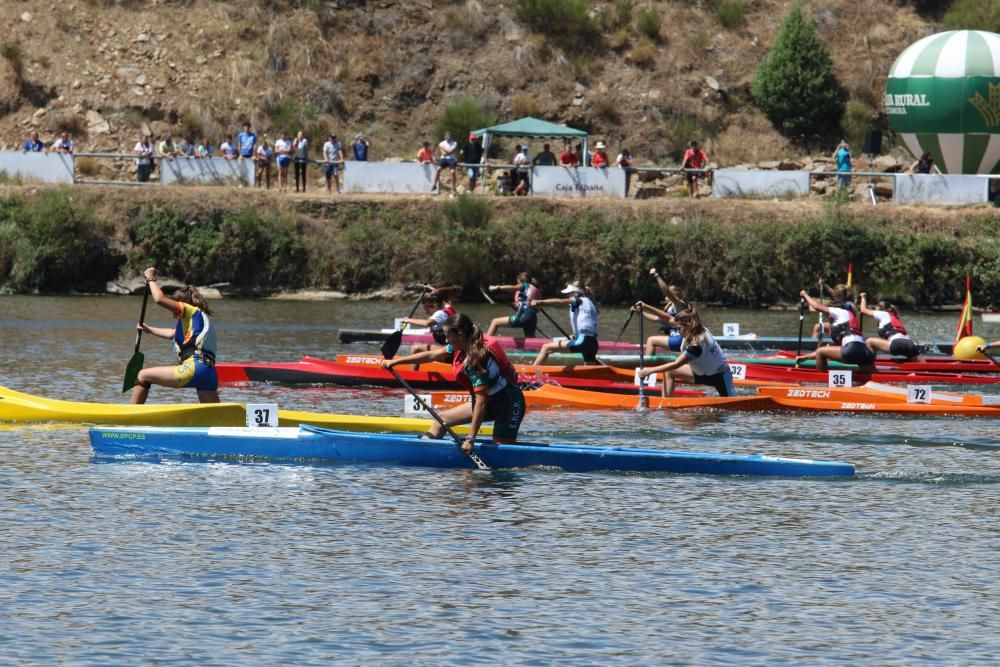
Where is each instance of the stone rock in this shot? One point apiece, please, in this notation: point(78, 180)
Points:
point(145, 130)
point(38, 114)
point(886, 163)
point(884, 189)
point(647, 191)
point(790, 165)
point(76, 84)
point(26, 17)
point(10, 87)
point(141, 37)
point(649, 176)
point(768, 164)
point(140, 80)
point(96, 124)
point(819, 187)
point(127, 72)
point(712, 83)
point(512, 32)
point(578, 101)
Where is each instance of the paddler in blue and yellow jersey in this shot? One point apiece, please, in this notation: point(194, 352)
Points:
point(194, 342)
point(701, 359)
point(482, 367)
point(845, 330)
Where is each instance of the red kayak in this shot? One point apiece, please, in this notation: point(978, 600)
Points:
point(945, 364)
point(813, 376)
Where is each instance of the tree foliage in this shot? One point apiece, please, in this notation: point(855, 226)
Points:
point(973, 15)
point(794, 85)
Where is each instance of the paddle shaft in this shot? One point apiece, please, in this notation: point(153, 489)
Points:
point(802, 319)
point(142, 318)
point(642, 361)
point(822, 333)
point(625, 326)
point(433, 413)
point(554, 323)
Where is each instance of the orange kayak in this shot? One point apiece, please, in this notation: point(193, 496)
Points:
point(874, 392)
point(863, 404)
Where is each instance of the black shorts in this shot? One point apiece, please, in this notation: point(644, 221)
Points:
point(448, 163)
point(857, 353)
point(439, 337)
point(585, 346)
point(691, 175)
point(526, 319)
point(903, 347)
point(506, 410)
point(716, 380)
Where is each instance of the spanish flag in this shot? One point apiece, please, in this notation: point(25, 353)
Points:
point(965, 321)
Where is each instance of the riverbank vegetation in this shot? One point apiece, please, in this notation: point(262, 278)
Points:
point(742, 253)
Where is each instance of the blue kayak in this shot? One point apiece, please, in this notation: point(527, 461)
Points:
point(308, 443)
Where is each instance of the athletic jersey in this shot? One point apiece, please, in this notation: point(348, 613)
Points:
point(194, 335)
point(439, 318)
point(670, 328)
point(844, 327)
point(704, 354)
point(889, 326)
point(498, 374)
point(525, 295)
point(583, 316)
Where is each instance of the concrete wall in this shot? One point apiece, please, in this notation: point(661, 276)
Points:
point(770, 184)
point(37, 167)
point(214, 170)
point(578, 182)
point(399, 177)
point(933, 189)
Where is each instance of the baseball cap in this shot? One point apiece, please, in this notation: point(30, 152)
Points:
point(473, 135)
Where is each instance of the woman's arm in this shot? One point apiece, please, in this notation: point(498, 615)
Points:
point(159, 332)
point(417, 322)
point(814, 303)
point(653, 313)
point(440, 354)
point(554, 301)
point(161, 299)
point(664, 288)
point(504, 288)
point(681, 360)
point(863, 306)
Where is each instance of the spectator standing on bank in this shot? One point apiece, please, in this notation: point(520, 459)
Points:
point(425, 155)
point(186, 149)
point(228, 148)
point(693, 163)
point(624, 160)
point(204, 149)
point(64, 144)
point(472, 153)
point(568, 158)
point(448, 159)
point(333, 158)
point(925, 165)
point(143, 159)
point(522, 162)
point(843, 157)
point(360, 147)
point(166, 148)
point(600, 158)
point(246, 142)
point(300, 158)
point(264, 155)
point(33, 144)
point(283, 155)
point(545, 159)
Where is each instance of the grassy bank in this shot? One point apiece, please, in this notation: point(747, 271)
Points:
point(735, 252)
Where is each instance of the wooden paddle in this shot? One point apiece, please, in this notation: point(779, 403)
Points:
point(625, 326)
point(391, 345)
point(802, 318)
point(641, 405)
point(138, 358)
point(433, 413)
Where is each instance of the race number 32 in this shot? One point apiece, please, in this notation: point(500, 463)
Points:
point(262, 415)
point(739, 371)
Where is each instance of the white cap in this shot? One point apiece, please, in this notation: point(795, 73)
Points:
point(570, 288)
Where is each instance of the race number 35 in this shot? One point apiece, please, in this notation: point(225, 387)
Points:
point(840, 379)
point(262, 415)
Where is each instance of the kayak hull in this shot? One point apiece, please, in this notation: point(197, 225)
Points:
point(329, 446)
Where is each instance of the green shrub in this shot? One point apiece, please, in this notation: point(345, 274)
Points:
point(14, 54)
point(794, 85)
point(973, 15)
point(468, 212)
point(729, 13)
point(567, 23)
point(464, 116)
point(648, 22)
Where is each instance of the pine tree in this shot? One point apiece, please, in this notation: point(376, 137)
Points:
point(794, 85)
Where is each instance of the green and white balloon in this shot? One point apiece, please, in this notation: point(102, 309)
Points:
point(943, 96)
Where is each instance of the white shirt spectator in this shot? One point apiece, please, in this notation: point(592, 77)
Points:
point(228, 151)
point(143, 152)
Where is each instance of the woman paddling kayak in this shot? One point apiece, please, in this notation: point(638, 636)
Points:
point(840, 294)
point(194, 341)
point(892, 337)
point(525, 290)
point(583, 316)
point(849, 345)
point(482, 367)
point(437, 304)
point(701, 360)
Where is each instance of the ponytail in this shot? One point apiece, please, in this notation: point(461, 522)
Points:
point(889, 308)
point(476, 352)
point(190, 295)
point(695, 327)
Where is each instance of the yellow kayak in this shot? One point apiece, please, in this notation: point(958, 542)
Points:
point(23, 408)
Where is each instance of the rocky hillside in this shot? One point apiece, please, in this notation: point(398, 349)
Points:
point(108, 70)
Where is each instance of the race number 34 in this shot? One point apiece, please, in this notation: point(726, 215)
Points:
point(840, 379)
point(262, 415)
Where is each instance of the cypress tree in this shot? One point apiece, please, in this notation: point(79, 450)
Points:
point(794, 85)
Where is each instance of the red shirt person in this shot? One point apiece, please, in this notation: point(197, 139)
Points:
point(694, 160)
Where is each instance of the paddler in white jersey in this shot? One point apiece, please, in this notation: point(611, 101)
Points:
point(849, 345)
point(583, 316)
point(701, 360)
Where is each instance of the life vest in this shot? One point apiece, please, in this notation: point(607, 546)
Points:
point(890, 327)
point(194, 335)
point(841, 327)
point(497, 353)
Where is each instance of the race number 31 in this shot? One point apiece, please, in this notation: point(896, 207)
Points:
point(262, 415)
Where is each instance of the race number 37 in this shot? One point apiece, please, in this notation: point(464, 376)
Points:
point(262, 415)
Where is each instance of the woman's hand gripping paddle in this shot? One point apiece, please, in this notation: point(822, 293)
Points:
point(138, 358)
point(391, 345)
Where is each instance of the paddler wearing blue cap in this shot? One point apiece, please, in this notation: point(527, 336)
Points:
point(583, 317)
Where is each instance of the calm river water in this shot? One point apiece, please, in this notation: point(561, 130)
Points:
point(228, 564)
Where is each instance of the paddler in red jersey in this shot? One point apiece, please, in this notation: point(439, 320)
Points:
point(482, 367)
point(849, 345)
point(892, 337)
point(437, 303)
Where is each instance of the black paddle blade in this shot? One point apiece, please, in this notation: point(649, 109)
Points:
point(132, 371)
point(391, 345)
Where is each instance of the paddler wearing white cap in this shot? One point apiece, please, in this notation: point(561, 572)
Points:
point(583, 316)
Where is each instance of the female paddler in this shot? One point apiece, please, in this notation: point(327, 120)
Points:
point(482, 367)
point(849, 345)
point(701, 360)
point(437, 303)
point(892, 337)
point(583, 315)
point(194, 341)
point(525, 291)
point(674, 302)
